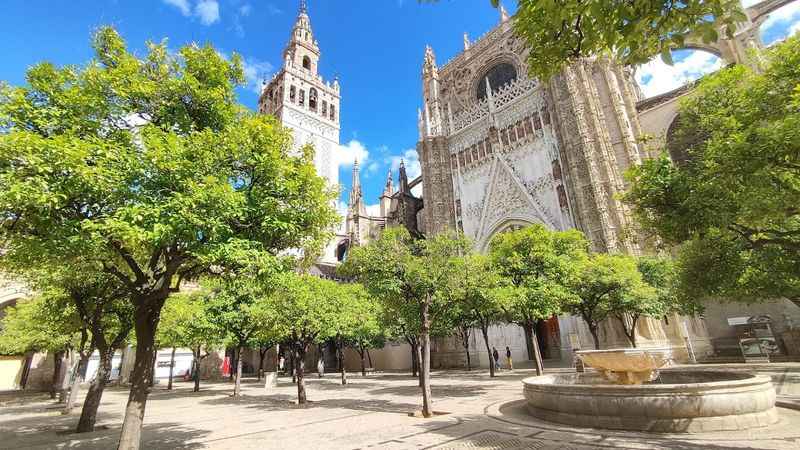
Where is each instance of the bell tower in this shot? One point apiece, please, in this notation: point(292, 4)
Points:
point(305, 102)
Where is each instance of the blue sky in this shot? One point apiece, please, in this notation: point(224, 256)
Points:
point(374, 46)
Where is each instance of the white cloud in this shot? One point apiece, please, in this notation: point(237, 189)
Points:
point(350, 152)
point(411, 160)
point(245, 9)
point(781, 23)
point(254, 72)
point(182, 5)
point(207, 11)
point(273, 10)
point(657, 77)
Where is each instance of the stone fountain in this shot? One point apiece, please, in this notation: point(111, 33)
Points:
point(634, 390)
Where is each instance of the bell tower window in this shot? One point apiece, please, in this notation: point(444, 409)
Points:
point(292, 94)
point(306, 63)
point(301, 99)
point(312, 100)
point(324, 108)
point(333, 112)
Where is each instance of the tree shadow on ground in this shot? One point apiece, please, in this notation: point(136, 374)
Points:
point(283, 402)
point(437, 390)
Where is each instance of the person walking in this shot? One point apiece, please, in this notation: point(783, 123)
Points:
point(509, 362)
point(496, 357)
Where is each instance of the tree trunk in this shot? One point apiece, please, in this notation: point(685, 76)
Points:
point(369, 358)
point(340, 350)
point(414, 359)
point(537, 352)
point(485, 333)
point(528, 328)
point(153, 367)
point(292, 365)
point(196, 369)
point(171, 369)
point(595, 337)
point(425, 379)
point(237, 381)
point(95, 393)
point(77, 379)
point(363, 355)
point(300, 357)
point(146, 321)
point(262, 353)
point(58, 364)
point(234, 364)
point(419, 364)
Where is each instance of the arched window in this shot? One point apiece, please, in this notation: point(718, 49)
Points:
point(312, 100)
point(333, 112)
point(306, 62)
point(324, 108)
point(292, 94)
point(499, 76)
point(301, 99)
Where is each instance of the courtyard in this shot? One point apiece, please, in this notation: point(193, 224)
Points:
point(371, 412)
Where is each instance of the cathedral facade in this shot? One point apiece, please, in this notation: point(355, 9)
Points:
point(500, 150)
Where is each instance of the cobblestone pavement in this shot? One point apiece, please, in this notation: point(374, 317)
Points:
point(367, 413)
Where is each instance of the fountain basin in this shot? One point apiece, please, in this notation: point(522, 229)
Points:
point(679, 401)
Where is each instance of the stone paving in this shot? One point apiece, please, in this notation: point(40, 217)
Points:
point(367, 413)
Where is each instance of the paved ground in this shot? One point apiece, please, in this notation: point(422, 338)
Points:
point(368, 413)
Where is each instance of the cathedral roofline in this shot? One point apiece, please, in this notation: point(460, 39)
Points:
point(479, 44)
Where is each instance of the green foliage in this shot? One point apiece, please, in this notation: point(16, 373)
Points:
point(151, 165)
point(604, 285)
point(362, 314)
point(305, 309)
point(43, 323)
point(477, 290)
point(540, 265)
point(732, 206)
point(407, 275)
point(187, 322)
point(633, 31)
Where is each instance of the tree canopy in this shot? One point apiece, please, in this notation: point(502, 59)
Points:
point(633, 31)
point(151, 167)
point(410, 278)
point(539, 265)
point(731, 203)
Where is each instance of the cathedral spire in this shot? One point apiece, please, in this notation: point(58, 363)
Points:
point(356, 200)
point(403, 178)
point(387, 190)
point(466, 41)
point(303, 7)
point(429, 66)
point(503, 13)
